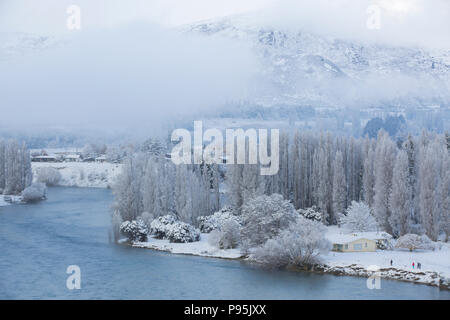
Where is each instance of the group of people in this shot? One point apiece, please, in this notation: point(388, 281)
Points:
point(419, 265)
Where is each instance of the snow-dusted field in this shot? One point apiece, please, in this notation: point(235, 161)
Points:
point(198, 248)
point(436, 261)
point(83, 174)
point(435, 268)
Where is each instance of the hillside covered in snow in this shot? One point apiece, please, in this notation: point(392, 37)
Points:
point(303, 68)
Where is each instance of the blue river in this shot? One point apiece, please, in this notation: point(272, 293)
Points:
point(39, 241)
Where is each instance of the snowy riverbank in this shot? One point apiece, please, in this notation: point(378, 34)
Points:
point(435, 269)
point(417, 276)
point(83, 174)
point(6, 200)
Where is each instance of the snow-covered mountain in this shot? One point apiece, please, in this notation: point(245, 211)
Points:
point(304, 69)
point(19, 43)
point(299, 67)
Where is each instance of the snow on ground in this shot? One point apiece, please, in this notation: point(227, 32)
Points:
point(198, 248)
point(437, 260)
point(14, 199)
point(435, 265)
point(82, 174)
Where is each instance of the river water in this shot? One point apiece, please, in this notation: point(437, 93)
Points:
point(39, 241)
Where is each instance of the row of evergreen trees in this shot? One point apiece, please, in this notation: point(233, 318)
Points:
point(406, 183)
point(15, 167)
point(151, 186)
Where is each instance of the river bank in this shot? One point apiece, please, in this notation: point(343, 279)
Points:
point(6, 200)
point(39, 241)
point(360, 264)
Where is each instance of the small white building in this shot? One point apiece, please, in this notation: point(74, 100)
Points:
point(357, 242)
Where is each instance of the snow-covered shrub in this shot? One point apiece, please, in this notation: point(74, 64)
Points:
point(214, 238)
point(216, 220)
point(147, 218)
point(35, 192)
point(48, 175)
point(359, 218)
point(182, 232)
point(413, 242)
point(160, 226)
point(135, 230)
point(311, 213)
point(227, 237)
point(263, 218)
point(298, 245)
point(167, 227)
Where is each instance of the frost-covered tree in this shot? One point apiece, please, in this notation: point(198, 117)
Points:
point(15, 167)
point(159, 227)
point(368, 174)
point(385, 153)
point(311, 213)
point(156, 186)
point(264, 217)
point(93, 150)
point(168, 227)
point(35, 192)
point(2, 165)
point(48, 175)
point(191, 194)
point(181, 232)
point(410, 148)
point(216, 220)
point(228, 236)
point(234, 182)
point(300, 245)
point(339, 186)
point(359, 218)
point(153, 146)
point(399, 200)
point(127, 189)
point(413, 242)
point(433, 199)
point(135, 230)
point(323, 178)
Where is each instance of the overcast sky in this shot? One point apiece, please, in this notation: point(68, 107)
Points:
point(426, 22)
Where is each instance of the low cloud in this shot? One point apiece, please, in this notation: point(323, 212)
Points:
point(129, 75)
point(402, 22)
